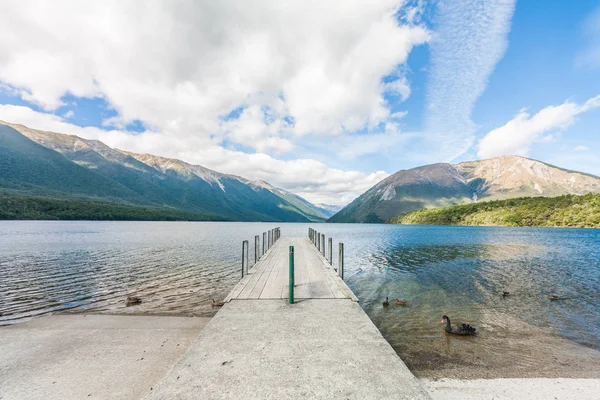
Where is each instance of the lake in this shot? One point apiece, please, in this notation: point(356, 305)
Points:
point(178, 267)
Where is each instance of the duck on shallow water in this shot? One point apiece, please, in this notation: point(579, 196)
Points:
point(461, 329)
point(400, 303)
point(386, 303)
point(217, 303)
point(132, 301)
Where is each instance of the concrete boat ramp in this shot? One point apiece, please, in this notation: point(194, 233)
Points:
point(258, 346)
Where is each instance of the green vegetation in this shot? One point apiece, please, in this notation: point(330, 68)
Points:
point(563, 211)
point(28, 207)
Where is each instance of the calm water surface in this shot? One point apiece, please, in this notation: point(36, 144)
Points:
point(47, 267)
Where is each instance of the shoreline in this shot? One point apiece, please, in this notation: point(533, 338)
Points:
point(94, 343)
point(514, 389)
point(525, 351)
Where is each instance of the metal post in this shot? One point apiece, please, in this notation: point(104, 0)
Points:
point(268, 239)
point(318, 244)
point(341, 261)
point(264, 243)
point(323, 245)
point(330, 248)
point(291, 280)
point(247, 256)
point(256, 243)
point(244, 262)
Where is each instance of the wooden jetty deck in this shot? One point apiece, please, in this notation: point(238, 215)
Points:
point(315, 277)
point(259, 346)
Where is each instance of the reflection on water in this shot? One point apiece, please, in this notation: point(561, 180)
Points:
point(458, 271)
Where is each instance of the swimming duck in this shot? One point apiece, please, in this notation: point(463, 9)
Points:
point(386, 302)
point(132, 301)
point(400, 303)
point(462, 329)
point(217, 303)
point(505, 294)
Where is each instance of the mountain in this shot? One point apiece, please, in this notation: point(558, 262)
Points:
point(309, 210)
point(561, 211)
point(328, 209)
point(47, 164)
point(440, 185)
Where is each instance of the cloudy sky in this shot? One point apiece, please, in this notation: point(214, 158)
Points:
point(323, 98)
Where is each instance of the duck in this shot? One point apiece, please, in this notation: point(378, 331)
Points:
point(553, 297)
point(400, 303)
point(462, 329)
point(386, 303)
point(505, 294)
point(217, 303)
point(132, 301)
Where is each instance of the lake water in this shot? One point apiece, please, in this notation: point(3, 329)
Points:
point(178, 267)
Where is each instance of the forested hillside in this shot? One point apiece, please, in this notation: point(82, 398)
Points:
point(561, 211)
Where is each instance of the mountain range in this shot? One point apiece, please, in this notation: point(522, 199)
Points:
point(46, 164)
point(439, 185)
point(40, 164)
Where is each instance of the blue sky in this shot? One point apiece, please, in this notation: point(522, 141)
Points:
point(323, 99)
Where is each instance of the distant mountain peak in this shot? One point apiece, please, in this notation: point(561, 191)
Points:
point(442, 184)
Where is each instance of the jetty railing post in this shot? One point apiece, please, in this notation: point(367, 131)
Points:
point(319, 241)
point(268, 239)
point(330, 248)
point(323, 245)
point(256, 248)
point(341, 261)
point(291, 277)
point(247, 256)
point(244, 258)
point(264, 249)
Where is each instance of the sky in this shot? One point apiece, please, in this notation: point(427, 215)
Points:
point(323, 98)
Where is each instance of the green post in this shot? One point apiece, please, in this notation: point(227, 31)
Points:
point(291, 283)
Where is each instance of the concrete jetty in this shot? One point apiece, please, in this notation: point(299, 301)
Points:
point(259, 346)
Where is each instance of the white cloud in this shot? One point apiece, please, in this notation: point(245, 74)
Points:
point(589, 56)
point(398, 87)
point(309, 178)
point(518, 134)
point(180, 66)
point(470, 39)
point(581, 148)
point(297, 70)
point(69, 114)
